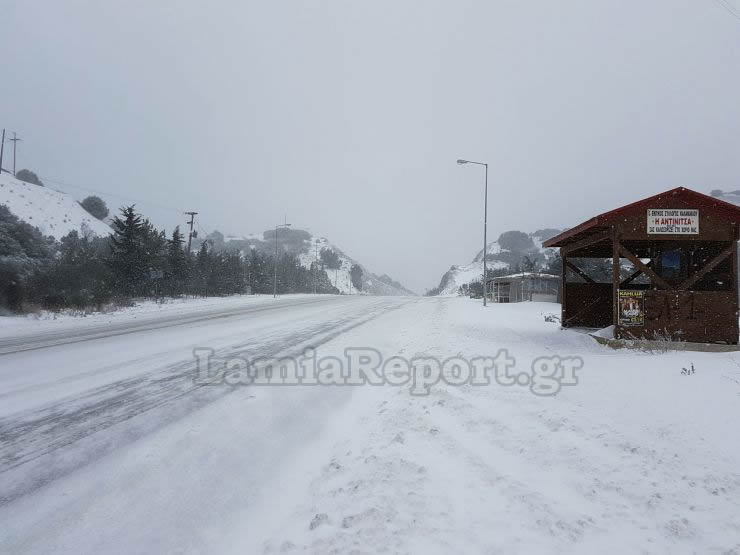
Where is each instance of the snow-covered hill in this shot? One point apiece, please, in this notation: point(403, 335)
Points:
point(506, 253)
point(308, 248)
point(54, 213)
point(372, 284)
point(727, 196)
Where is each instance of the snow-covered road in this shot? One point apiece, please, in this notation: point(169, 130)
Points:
point(69, 410)
point(107, 445)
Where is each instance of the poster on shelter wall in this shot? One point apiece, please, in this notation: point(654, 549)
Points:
point(679, 221)
point(631, 308)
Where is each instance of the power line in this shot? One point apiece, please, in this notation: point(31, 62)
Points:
point(201, 227)
point(15, 141)
point(729, 8)
point(121, 197)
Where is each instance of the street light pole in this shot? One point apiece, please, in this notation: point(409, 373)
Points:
point(274, 282)
point(485, 228)
point(316, 267)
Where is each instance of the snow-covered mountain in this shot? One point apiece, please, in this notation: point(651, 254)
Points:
point(54, 213)
point(506, 253)
point(727, 196)
point(308, 248)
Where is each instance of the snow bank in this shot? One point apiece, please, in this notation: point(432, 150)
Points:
point(141, 310)
point(606, 333)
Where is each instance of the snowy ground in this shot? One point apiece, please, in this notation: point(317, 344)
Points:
point(106, 445)
point(53, 212)
point(144, 310)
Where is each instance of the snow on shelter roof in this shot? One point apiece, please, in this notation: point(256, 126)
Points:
point(700, 200)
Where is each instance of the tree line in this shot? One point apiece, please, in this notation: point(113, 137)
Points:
point(136, 260)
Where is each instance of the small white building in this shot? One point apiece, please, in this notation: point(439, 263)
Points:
point(525, 286)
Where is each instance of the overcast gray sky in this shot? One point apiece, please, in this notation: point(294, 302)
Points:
point(348, 116)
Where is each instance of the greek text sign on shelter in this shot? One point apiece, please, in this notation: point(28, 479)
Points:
point(673, 221)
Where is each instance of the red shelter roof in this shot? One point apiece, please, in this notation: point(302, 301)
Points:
point(700, 200)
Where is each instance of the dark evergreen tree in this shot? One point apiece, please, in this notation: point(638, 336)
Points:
point(178, 265)
point(323, 282)
point(128, 259)
point(155, 245)
point(356, 275)
point(330, 259)
point(259, 275)
point(202, 269)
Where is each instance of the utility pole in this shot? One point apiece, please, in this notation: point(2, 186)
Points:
point(2, 150)
point(15, 140)
point(316, 269)
point(191, 222)
point(274, 282)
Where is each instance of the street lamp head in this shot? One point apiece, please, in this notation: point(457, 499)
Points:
point(461, 162)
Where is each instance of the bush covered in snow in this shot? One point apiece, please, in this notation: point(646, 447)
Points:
point(95, 206)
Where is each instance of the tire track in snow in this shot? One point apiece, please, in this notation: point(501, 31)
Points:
point(42, 445)
point(89, 333)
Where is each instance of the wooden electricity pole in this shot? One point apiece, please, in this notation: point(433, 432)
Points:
point(2, 150)
point(191, 222)
point(15, 140)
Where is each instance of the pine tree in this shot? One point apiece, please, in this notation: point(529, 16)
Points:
point(260, 278)
point(356, 275)
point(177, 263)
point(202, 267)
point(128, 258)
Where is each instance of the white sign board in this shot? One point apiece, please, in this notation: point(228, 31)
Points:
point(679, 221)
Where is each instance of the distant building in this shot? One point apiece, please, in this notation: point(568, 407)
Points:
point(526, 286)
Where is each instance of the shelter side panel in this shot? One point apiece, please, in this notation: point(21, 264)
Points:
point(697, 316)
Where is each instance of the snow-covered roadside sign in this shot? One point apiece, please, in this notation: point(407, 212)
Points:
point(682, 221)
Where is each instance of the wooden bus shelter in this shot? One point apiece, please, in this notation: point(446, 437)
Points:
point(671, 267)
